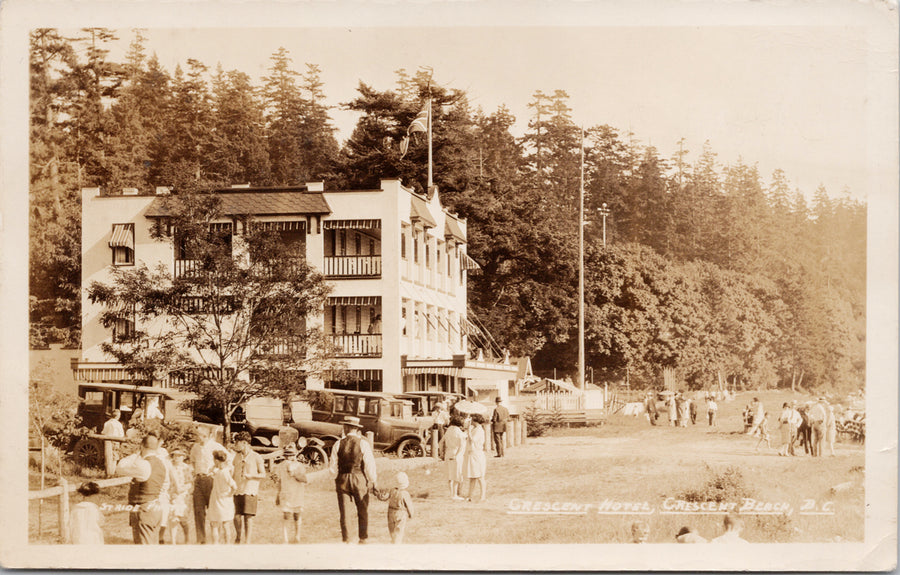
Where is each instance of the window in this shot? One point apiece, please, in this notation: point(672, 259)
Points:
point(122, 244)
point(372, 406)
point(427, 256)
point(350, 405)
point(437, 255)
point(123, 328)
point(415, 249)
point(339, 403)
point(93, 398)
point(449, 259)
point(403, 319)
point(343, 239)
point(403, 245)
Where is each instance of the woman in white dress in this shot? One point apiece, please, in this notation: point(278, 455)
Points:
point(453, 445)
point(475, 458)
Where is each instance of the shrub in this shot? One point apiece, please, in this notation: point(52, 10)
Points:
point(727, 485)
point(535, 421)
point(175, 434)
point(555, 419)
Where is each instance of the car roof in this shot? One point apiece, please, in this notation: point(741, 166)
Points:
point(148, 389)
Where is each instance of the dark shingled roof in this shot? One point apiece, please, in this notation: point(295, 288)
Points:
point(258, 202)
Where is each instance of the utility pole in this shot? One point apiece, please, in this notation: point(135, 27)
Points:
point(581, 270)
point(604, 211)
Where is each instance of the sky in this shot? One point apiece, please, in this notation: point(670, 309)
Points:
point(782, 97)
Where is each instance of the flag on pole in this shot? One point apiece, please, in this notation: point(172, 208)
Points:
point(419, 124)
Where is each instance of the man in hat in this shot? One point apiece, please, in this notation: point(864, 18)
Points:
point(353, 465)
point(498, 426)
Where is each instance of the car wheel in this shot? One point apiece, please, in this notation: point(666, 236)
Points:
point(410, 448)
point(88, 453)
point(315, 456)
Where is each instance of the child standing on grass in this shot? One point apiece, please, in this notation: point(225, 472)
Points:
point(85, 517)
point(763, 431)
point(400, 507)
point(178, 513)
point(221, 499)
point(291, 477)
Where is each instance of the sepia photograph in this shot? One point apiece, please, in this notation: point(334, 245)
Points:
point(434, 286)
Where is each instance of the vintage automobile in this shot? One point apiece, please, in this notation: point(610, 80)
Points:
point(98, 400)
point(388, 416)
point(424, 402)
point(261, 417)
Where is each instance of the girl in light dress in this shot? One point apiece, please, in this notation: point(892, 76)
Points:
point(291, 477)
point(221, 500)
point(476, 461)
point(453, 445)
point(85, 517)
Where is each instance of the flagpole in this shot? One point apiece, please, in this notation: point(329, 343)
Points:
point(581, 270)
point(430, 175)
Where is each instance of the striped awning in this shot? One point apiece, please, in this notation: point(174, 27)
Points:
point(368, 300)
point(436, 370)
point(352, 224)
point(281, 226)
point(122, 236)
point(468, 263)
point(483, 385)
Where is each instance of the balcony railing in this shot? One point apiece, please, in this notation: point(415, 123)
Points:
point(353, 266)
point(185, 268)
point(357, 345)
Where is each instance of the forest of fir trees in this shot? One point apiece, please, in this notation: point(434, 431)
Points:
point(717, 272)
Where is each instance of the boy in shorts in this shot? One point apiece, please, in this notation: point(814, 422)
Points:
point(249, 469)
point(291, 476)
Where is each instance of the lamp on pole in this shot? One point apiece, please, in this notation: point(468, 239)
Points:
point(604, 211)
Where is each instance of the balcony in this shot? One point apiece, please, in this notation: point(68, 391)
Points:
point(186, 268)
point(357, 345)
point(353, 266)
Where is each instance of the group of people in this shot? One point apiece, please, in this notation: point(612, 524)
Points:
point(681, 408)
point(813, 424)
point(732, 526)
point(462, 446)
point(222, 485)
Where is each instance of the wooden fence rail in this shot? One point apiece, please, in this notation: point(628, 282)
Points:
point(61, 492)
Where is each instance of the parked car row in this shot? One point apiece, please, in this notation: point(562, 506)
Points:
point(399, 423)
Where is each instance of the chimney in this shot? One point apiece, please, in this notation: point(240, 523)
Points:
point(315, 186)
point(163, 190)
point(129, 191)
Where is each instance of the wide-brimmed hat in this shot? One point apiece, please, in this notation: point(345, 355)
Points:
point(351, 421)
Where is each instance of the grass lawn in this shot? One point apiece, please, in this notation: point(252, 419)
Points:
point(625, 462)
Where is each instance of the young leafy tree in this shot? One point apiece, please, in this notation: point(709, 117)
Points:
point(235, 326)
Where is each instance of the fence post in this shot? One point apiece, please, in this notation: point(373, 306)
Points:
point(524, 431)
point(370, 437)
point(109, 458)
point(434, 444)
point(64, 510)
